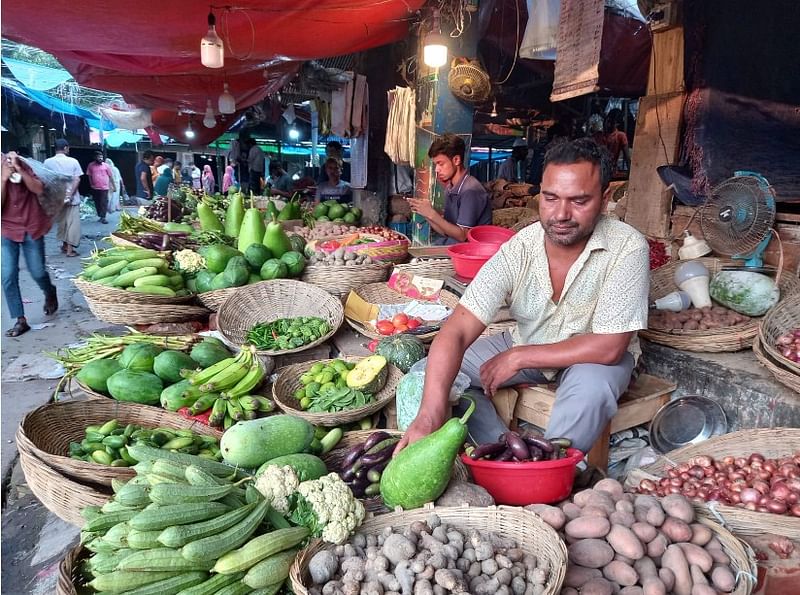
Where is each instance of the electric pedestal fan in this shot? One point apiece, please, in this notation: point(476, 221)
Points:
point(737, 217)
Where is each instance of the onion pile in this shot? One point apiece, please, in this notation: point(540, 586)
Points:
point(753, 483)
point(789, 345)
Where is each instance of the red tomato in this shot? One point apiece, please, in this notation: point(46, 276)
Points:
point(385, 327)
point(413, 323)
point(372, 345)
point(400, 319)
point(401, 328)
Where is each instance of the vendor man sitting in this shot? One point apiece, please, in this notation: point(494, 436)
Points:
point(578, 284)
point(466, 203)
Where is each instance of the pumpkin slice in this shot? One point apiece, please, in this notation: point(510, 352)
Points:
point(369, 375)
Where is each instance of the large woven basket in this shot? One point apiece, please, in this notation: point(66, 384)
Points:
point(379, 293)
point(771, 442)
point(133, 314)
point(271, 300)
point(733, 338)
point(779, 320)
point(531, 533)
point(69, 571)
point(378, 248)
point(103, 293)
point(432, 268)
point(333, 460)
point(288, 382)
point(59, 494)
point(743, 559)
point(781, 374)
point(214, 299)
point(511, 216)
point(339, 281)
point(47, 431)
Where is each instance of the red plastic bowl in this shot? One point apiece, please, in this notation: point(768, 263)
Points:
point(520, 484)
point(489, 234)
point(468, 258)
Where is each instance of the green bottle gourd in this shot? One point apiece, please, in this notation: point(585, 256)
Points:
point(234, 216)
point(286, 212)
point(276, 239)
point(208, 218)
point(252, 229)
point(421, 471)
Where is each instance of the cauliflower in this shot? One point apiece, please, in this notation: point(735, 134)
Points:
point(142, 211)
point(277, 484)
point(189, 261)
point(327, 507)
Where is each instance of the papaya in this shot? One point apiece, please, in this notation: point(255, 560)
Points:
point(217, 256)
point(256, 255)
point(95, 374)
point(136, 387)
point(307, 466)
point(203, 280)
point(206, 354)
point(139, 356)
point(180, 394)
point(168, 365)
point(236, 272)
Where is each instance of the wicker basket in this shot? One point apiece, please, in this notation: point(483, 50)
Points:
point(379, 248)
point(130, 314)
point(47, 431)
point(743, 559)
point(733, 338)
point(333, 461)
point(379, 293)
point(512, 215)
point(339, 281)
point(782, 318)
point(532, 534)
point(771, 442)
point(288, 382)
point(59, 494)
point(432, 268)
point(781, 374)
point(69, 571)
point(91, 394)
point(214, 299)
point(270, 300)
point(101, 293)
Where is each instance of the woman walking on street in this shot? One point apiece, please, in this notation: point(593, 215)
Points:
point(24, 224)
point(208, 180)
point(114, 195)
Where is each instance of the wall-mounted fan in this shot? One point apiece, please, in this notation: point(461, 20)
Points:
point(468, 81)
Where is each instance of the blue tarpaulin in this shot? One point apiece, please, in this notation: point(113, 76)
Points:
point(35, 76)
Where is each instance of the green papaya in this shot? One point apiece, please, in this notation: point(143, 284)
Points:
point(217, 256)
point(254, 278)
point(168, 365)
point(181, 394)
point(95, 374)
point(139, 356)
point(295, 263)
point(220, 282)
point(256, 255)
point(203, 280)
point(234, 216)
point(274, 269)
point(297, 242)
point(135, 386)
point(207, 354)
point(321, 210)
point(275, 239)
point(236, 272)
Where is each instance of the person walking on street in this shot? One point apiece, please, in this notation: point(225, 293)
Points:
point(144, 182)
point(24, 225)
point(69, 222)
point(114, 196)
point(208, 180)
point(101, 179)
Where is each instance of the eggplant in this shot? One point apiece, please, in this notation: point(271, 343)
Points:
point(374, 438)
point(352, 456)
point(487, 450)
point(517, 446)
point(542, 444)
point(506, 455)
point(370, 460)
point(536, 453)
point(362, 473)
point(348, 474)
point(561, 442)
point(358, 486)
point(381, 466)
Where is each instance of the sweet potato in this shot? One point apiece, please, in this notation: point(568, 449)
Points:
point(620, 573)
point(676, 529)
point(591, 553)
point(625, 559)
point(588, 527)
point(722, 578)
point(675, 560)
point(551, 515)
point(625, 542)
point(577, 576)
point(676, 505)
point(646, 533)
point(701, 534)
point(611, 487)
point(625, 519)
point(697, 556)
point(597, 586)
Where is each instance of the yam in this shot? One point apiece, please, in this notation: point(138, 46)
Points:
point(591, 553)
point(577, 576)
point(697, 556)
point(677, 506)
point(722, 578)
point(701, 534)
point(675, 560)
point(620, 573)
point(676, 530)
point(597, 586)
point(625, 542)
point(588, 527)
point(553, 516)
point(646, 533)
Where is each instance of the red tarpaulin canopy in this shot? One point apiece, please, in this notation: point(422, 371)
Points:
point(150, 53)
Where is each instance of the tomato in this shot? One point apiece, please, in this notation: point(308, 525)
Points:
point(401, 328)
point(330, 245)
point(385, 327)
point(372, 345)
point(400, 319)
point(414, 323)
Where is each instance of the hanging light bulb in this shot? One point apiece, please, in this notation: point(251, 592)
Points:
point(212, 50)
point(227, 102)
point(189, 132)
point(209, 121)
point(294, 134)
point(434, 51)
point(493, 113)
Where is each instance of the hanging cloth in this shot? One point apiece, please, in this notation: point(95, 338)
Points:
point(401, 131)
point(541, 33)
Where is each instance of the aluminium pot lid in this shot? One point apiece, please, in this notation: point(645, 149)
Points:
point(684, 421)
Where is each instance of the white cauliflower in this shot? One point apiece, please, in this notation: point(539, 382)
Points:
point(276, 484)
point(141, 211)
point(327, 507)
point(189, 261)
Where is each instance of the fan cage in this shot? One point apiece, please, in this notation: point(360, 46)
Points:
point(469, 82)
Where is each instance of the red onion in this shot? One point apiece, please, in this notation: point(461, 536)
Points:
point(793, 498)
point(795, 510)
point(776, 506)
point(729, 460)
point(647, 484)
point(756, 456)
point(750, 506)
point(780, 491)
point(750, 495)
point(740, 461)
point(761, 486)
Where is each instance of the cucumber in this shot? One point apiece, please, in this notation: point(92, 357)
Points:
point(158, 263)
point(108, 271)
point(162, 280)
point(127, 279)
point(153, 290)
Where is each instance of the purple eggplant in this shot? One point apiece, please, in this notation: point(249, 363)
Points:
point(348, 474)
point(517, 446)
point(374, 439)
point(352, 456)
point(542, 444)
point(487, 450)
point(536, 453)
point(506, 455)
point(370, 460)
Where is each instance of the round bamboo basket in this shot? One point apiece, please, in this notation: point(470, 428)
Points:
point(781, 374)
point(214, 299)
point(47, 431)
point(69, 571)
point(511, 216)
point(271, 300)
point(734, 338)
point(783, 318)
point(771, 442)
point(531, 533)
point(432, 268)
point(90, 393)
point(338, 281)
point(743, 559)
point(288, 382)
point(102, 293)
point(130, 314)
point(379, 293)
point(333, 461)
point(59, 494)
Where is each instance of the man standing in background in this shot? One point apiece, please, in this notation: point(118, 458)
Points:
point(101, 179)
point(255, 163)
point(514, 168)
point(69, 222)
point(144, 181)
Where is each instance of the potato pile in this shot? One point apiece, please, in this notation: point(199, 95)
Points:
point(637, 545)
point(428, 558)
point(324, 229)
point(696, 319)
point(339, 258)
